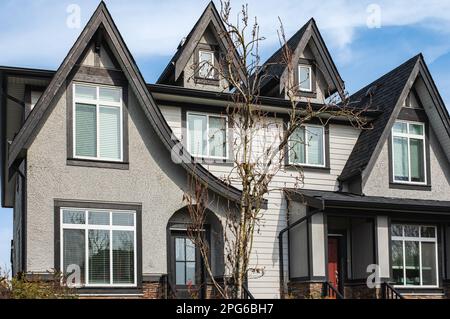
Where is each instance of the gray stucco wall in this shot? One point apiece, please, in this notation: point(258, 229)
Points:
point(152, 179)
point(378, 181)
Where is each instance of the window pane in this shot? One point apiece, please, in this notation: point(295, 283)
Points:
point(179, 249)
point(401, 169)
point(417, 160)
point(35, 96)
point(110, 133)
point(74, 251)
point(428, 232)
point(429, 264)
point(123, 257)
point(179, 273)
point(315, 145)
point(206, 65)
point(397, 262)
point(297, 145)
point(305, 78)
point(190, 250)
point(85, 130)
point(99, 261)
point(411, 231)
point(99, 218)
point(85, 92)
point(400, 127)
point(123, 219)
point(197, 135)
point(110, 94)
point(190, 273)
point(397, 230)
point(217, 136)
point(73, 217)
point(416, 129)
point(412, 263)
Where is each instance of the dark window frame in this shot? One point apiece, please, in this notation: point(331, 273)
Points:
point(96, 76)
point(215, 51)
point(327, 167)
point(59, 203)
point(414, 115)
point(313, 92)
point(212, 111)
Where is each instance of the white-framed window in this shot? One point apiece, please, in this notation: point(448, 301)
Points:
point(102, 243)
point(97, 122)
point(305, 78)
point(414, 255)
point(307, 146)
point(408, 152)
point(206, 64)
point(207, 135)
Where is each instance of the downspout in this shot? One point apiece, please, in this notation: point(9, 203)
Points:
point(280, 246)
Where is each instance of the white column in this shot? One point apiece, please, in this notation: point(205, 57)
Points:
point(383, 252)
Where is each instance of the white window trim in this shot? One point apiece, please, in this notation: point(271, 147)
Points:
point(307, 147)
point(418, 239)
point(300, 66)
point(408, 136)
point(86, 227)
point(208, 115)
point(211, 74)
point(97, 104)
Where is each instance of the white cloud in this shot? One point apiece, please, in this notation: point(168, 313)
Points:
point(36, 31)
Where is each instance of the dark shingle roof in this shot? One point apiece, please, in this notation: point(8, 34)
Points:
point(272, 68)
point(326, 199)
point(383, 95)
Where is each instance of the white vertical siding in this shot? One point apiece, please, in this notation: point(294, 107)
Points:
point(265, 254)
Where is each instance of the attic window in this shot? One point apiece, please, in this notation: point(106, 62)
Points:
point(206, 64)
point(305, 78)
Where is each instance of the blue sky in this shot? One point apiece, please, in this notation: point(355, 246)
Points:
point(35, 34)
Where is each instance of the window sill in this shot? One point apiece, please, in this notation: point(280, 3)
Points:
point(205, 81)
point(213, 161)
point(416, 187)
point(109, 291)
point(307, 168)
point(311, 94)
point(97, 164)
point(419, 290)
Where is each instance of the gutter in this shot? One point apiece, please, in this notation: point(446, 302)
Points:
point(280, 245)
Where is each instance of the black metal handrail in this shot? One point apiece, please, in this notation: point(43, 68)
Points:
point(328, 290)
point(247, 293)
point(389, 292)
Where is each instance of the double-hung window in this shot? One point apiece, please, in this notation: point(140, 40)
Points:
point(305, 78)
point(408, 152)
point(207, 135)
point(97, 123)
point(307, 146)
point(206, 64)
point(101, 244)
point(414, 255)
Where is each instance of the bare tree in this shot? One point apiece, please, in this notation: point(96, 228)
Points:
point(259, 153)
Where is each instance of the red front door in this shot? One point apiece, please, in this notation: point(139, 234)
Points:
point(333, 261)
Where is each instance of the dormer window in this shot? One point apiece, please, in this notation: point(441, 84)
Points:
point(408, 155)
point(206, 64)
point(305, 78)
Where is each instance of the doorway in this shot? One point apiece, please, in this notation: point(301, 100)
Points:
point(336, 261)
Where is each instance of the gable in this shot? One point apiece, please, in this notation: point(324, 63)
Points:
point(389, 94)
point(306, 42)
point(209, 29)
point(101, 20)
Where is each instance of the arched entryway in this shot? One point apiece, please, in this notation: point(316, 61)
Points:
point(187, 275)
